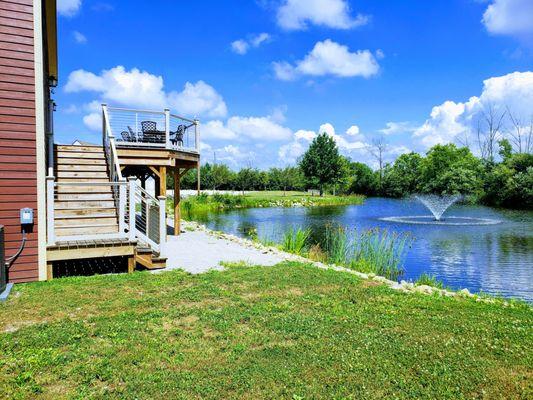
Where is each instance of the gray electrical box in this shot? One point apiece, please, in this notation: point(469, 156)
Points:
point(26, 216)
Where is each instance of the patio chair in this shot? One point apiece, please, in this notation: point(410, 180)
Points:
point(149, 130)
point(178, 135)
point(125, 136)
point(134, 137)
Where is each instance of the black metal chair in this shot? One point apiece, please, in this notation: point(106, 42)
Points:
point(134, 137)
point(178, 135)
point(150, 132)
point(125, 136)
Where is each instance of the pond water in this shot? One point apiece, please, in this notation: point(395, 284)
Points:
point(495, 259)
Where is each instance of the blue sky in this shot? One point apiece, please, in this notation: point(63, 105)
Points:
point(265, 76)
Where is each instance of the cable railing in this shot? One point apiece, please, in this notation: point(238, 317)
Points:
point(81, 211)
point(110, 150)
point(149, 215)
point(158, 129)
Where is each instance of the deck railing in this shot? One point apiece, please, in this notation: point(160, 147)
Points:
point(158, 129)
point(149, 218)
point(75, 227)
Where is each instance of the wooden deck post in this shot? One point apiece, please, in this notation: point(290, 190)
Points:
point(162, 225)
point(132, 210)
point(49, 270)
point(162, 181)
point(177, 199)
point(198, 178)
point(131, 264)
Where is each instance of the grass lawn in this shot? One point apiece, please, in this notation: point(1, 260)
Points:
point(290, 331)
point(193, 205)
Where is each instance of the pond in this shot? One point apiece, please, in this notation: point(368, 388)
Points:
point(495, 259)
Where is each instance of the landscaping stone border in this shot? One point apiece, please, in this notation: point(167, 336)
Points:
point(402, 286)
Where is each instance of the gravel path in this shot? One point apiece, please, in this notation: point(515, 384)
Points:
point(198, 251)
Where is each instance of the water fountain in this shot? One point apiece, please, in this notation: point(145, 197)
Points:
point(438, 205)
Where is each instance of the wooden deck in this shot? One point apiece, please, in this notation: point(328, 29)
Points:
point(145, 162)
point(86, 249)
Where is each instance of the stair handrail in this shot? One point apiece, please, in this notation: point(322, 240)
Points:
point(110, 147)
point(115, 172)
point(153, 234)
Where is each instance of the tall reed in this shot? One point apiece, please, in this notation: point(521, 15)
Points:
point(374, 251)
point(380, 251)
point(296, 240)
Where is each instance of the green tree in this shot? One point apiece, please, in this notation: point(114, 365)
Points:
point(322, 164)
point(363, 179)
point(447, 169)
point(506, 150)
point(403, 177)
point(246, 179)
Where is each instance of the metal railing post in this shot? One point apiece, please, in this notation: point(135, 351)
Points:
point(104, 125)
point(50, 210)
point(197, 135)
point(162, 225)
point(167, 128)
point(122, 207)
point(131, 200)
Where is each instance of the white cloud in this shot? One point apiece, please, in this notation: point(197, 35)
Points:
point(246, 129)
point(137, 88)
point(216, 130)
point(260, 39)
point(68, 8)
point(290, 152)
point(242, 46)
point(79, 37)
point(353, 130)
point(341, 141)
point(93, 121)
point(198, 99)
point(258, 128)
point(297, 14)
point(395, 128)
point(451, 121)
point(235, 155)
point(330, 58)
point(509, 17)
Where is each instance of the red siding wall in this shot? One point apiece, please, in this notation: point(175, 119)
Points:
point(18, 164)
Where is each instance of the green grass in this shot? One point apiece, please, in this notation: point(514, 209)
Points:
point(429, 280)
point(289, 331)
point(372, 251)
point(198, 205)
point(295, 240)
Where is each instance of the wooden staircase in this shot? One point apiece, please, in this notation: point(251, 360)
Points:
point(89, 209)
point(149, 259)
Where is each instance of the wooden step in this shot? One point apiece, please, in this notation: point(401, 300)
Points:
point(84, 196)
point(79, 154)
point(86, 222)
point(78, 174)
point(81, 161)
point(149, 261)
point(89, 204)
point(82, 167)
point(85, 149)
point(78, 189)
point(66, 181)
point(85, 230)
point(93, 212)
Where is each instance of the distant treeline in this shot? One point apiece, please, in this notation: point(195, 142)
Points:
point(444, 169)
